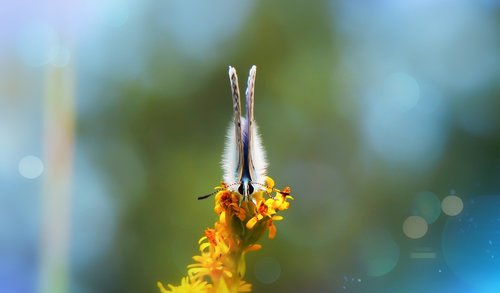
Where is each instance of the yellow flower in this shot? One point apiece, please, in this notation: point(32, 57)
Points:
point(264, 209)
point(227, 205)
point(210, 262)
point(269, 184)
point(216, 243)
point(267, 209)
point(208, 265)
point(244, 287)
point(280, 202)
point(188, 285)
point(220, 267)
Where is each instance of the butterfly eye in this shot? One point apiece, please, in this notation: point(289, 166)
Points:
point(250, 189)
point(240, 189)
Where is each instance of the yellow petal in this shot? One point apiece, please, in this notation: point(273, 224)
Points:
point(277, 218)
point(252, 222)
point(270, 202)
point(277, 203)
point(284, 206)
point(217, 198)
point(241, 266)
point(160, 286)
point(222, 287)
point(269, 182)
point(204, 246)
point(198, 258)
point(222, 218)
point(195, 271)
point(226, 272)
point(244, 287)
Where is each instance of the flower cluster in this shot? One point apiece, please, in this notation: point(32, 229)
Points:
point(220, 266)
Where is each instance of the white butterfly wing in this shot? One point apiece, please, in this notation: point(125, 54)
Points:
point(232, 158)
point(256, 154)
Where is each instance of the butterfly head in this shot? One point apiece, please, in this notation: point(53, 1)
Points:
point(246, 189)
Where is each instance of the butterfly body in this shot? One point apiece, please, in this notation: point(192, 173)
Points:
point(244, 160)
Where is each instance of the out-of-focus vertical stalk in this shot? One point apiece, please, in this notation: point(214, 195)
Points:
point(58, 141)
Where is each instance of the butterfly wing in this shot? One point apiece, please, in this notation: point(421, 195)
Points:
point(256, 156)
point(250, 121)
point(233, 159)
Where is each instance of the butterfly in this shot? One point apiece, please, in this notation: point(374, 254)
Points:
point(243, 160)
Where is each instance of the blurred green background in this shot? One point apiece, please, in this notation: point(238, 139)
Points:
point(381, 116)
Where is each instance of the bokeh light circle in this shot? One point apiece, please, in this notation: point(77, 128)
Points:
point(415, 227)
point(378, 252)
point(402, 91)
point(471, 243)
point(30, 167)
point(427, 205)
point(452, 205)
point(37, 44)
point(267, 270)
point(402, 133)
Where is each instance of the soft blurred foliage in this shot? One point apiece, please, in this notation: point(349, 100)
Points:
point(371, 111)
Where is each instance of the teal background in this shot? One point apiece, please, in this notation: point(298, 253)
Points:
point(371, 112)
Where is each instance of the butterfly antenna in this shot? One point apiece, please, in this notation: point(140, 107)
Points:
point(225, 186)
point(232, 184)
point(274, 189)
point(207, 196)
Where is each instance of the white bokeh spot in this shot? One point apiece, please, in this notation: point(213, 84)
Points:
point(415, 227)
point(30, 167)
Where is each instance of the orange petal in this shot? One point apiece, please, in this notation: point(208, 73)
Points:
point(253, 247)
point(272, 231)
point(241, 215)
